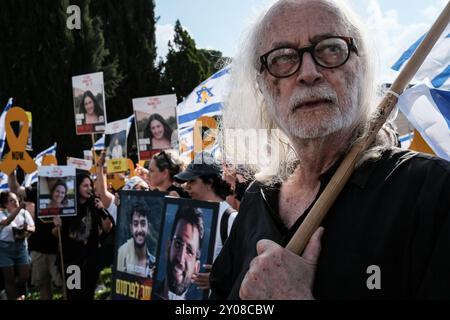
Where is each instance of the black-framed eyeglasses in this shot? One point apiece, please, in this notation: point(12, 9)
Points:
point(330, 52)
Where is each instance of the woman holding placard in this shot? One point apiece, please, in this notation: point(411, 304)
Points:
point(81, 238)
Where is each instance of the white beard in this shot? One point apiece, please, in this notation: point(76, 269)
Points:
point(310, 124)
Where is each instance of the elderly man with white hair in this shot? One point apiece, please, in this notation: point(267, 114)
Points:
point(306, 70)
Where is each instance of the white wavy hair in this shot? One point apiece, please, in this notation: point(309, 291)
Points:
point(245, 107)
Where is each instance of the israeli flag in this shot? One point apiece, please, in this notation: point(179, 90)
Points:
point(33, 177)
point(2, 126)
point(3, 182)
point(205, 100)
point(428, 110)
point(100, 143)
point(436, 66)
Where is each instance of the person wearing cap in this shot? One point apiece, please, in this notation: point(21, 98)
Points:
point(203, 181)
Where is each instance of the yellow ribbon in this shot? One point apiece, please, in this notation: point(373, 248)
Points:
point(17, 155)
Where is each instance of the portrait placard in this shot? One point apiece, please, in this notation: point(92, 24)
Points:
point(155, 124)
point(137, 234)
point(188, 234)
point(56, 191)
point(89, 103)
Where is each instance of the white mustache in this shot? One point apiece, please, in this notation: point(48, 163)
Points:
point(306, 95)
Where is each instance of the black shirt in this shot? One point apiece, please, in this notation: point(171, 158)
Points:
point(393, 213)
point(180, 191)
point(42, 240)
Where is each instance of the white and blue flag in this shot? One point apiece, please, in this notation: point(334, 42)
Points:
point(3, 182)
point(436, 67)
point(33, 177)
point(205, 100)
point(2, 126)
point(428, 110)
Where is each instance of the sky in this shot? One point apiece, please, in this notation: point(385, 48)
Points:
point(219, 25)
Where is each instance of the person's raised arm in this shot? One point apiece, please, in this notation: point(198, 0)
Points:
point(13, 215)
point(14, 185)
point(101, 183)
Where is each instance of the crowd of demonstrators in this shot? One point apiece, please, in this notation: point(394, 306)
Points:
point(203, 181)
point(88, 239)
point(16, 224)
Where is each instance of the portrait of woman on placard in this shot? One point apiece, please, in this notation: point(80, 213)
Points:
point(159, 132)
point(91, 109)
point(58, 194)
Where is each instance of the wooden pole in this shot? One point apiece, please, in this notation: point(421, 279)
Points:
point(63, 272)
point(345, 170)
point(94, 155)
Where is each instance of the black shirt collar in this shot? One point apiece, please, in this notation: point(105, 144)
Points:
point(271, 194)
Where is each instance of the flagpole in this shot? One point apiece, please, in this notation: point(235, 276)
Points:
point(63, 272)
point(313, 220)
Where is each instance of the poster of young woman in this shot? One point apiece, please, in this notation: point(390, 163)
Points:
point(137, 233)
point(186, 244)
point(155, 124)
point(56, 191)
point(116, 146)
point(89, 103)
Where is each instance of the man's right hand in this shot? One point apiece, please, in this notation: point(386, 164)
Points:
point(277, 273)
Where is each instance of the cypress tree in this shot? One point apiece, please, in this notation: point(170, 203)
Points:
point(183, 69)
point(129, 30)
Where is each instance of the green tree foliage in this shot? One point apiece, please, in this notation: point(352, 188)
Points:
point(183, 69)
point(39, 56)
point(212, 60)
point(35, 65)
point(129, 31)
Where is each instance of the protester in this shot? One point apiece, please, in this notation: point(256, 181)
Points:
point(162, 169)
point(42, 245)
point(81, 238)
point(308, 64)
point(16, 224)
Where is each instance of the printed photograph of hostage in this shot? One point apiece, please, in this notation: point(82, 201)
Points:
point(56, 191)
point(89, 103)
point(138, 227)
point(185, 248)
point(134, 256)
point(156, 125)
